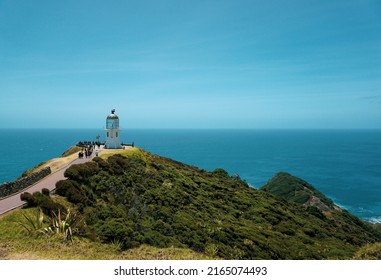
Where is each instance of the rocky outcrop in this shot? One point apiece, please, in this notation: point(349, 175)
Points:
point(13, 187)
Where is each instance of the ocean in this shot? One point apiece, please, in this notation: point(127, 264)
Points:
point(343, 164)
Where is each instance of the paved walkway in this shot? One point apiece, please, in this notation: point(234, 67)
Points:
point(49, 182)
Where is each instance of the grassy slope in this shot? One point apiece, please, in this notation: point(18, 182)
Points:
point(183, 206)
point(72, 150)
point(15, 243)
point(56, 163)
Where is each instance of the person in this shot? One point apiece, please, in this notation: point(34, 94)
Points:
point(96, 153)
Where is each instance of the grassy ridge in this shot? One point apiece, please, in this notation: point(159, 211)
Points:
point(134, 201)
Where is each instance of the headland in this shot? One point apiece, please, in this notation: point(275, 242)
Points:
point(128, 199)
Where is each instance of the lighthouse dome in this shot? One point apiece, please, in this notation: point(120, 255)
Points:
point(112, 121)
point(112, 115)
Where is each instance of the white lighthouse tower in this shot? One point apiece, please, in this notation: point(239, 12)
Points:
point(112, 132)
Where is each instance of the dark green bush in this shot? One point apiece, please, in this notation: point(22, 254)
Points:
point(117, 164)
point(75, 196)
point(115, 229)
point(29, 199)
point(316, 212)
point(102, 164)
point(47, 205)
point(45, 191)
point(45, 202)
point(301, 198)
point(64, 185)
point(221, 172)
point(81, 172)
point(74, 192)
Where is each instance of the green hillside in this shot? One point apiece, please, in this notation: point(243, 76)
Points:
point(18, 244)
point(139, 199)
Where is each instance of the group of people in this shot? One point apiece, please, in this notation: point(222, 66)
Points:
point(88, 148)
point(89, 143)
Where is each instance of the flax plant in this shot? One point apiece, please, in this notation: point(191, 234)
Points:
point(33, 224)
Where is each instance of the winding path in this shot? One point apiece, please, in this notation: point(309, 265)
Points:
point(49, 182)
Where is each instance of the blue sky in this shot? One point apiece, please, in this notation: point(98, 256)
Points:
point(191, 64)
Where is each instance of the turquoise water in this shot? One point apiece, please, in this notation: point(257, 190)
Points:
point(343, 164)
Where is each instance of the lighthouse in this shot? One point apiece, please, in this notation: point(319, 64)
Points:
point(112, 132)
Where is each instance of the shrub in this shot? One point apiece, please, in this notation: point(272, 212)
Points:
point(315, 211)
point(74, 195)
point(45, 191)
point(47, 205)
point(221, 172)
point(117, 164)
point(300, 198)
point(114, 229)
point(74, 192)
point(64, 185)
point(81, 172)
point(29, 199)
point(104, 165)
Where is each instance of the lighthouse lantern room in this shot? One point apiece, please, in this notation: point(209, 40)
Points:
point(112, 132)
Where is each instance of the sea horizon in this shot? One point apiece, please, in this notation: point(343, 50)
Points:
point(191, 128)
